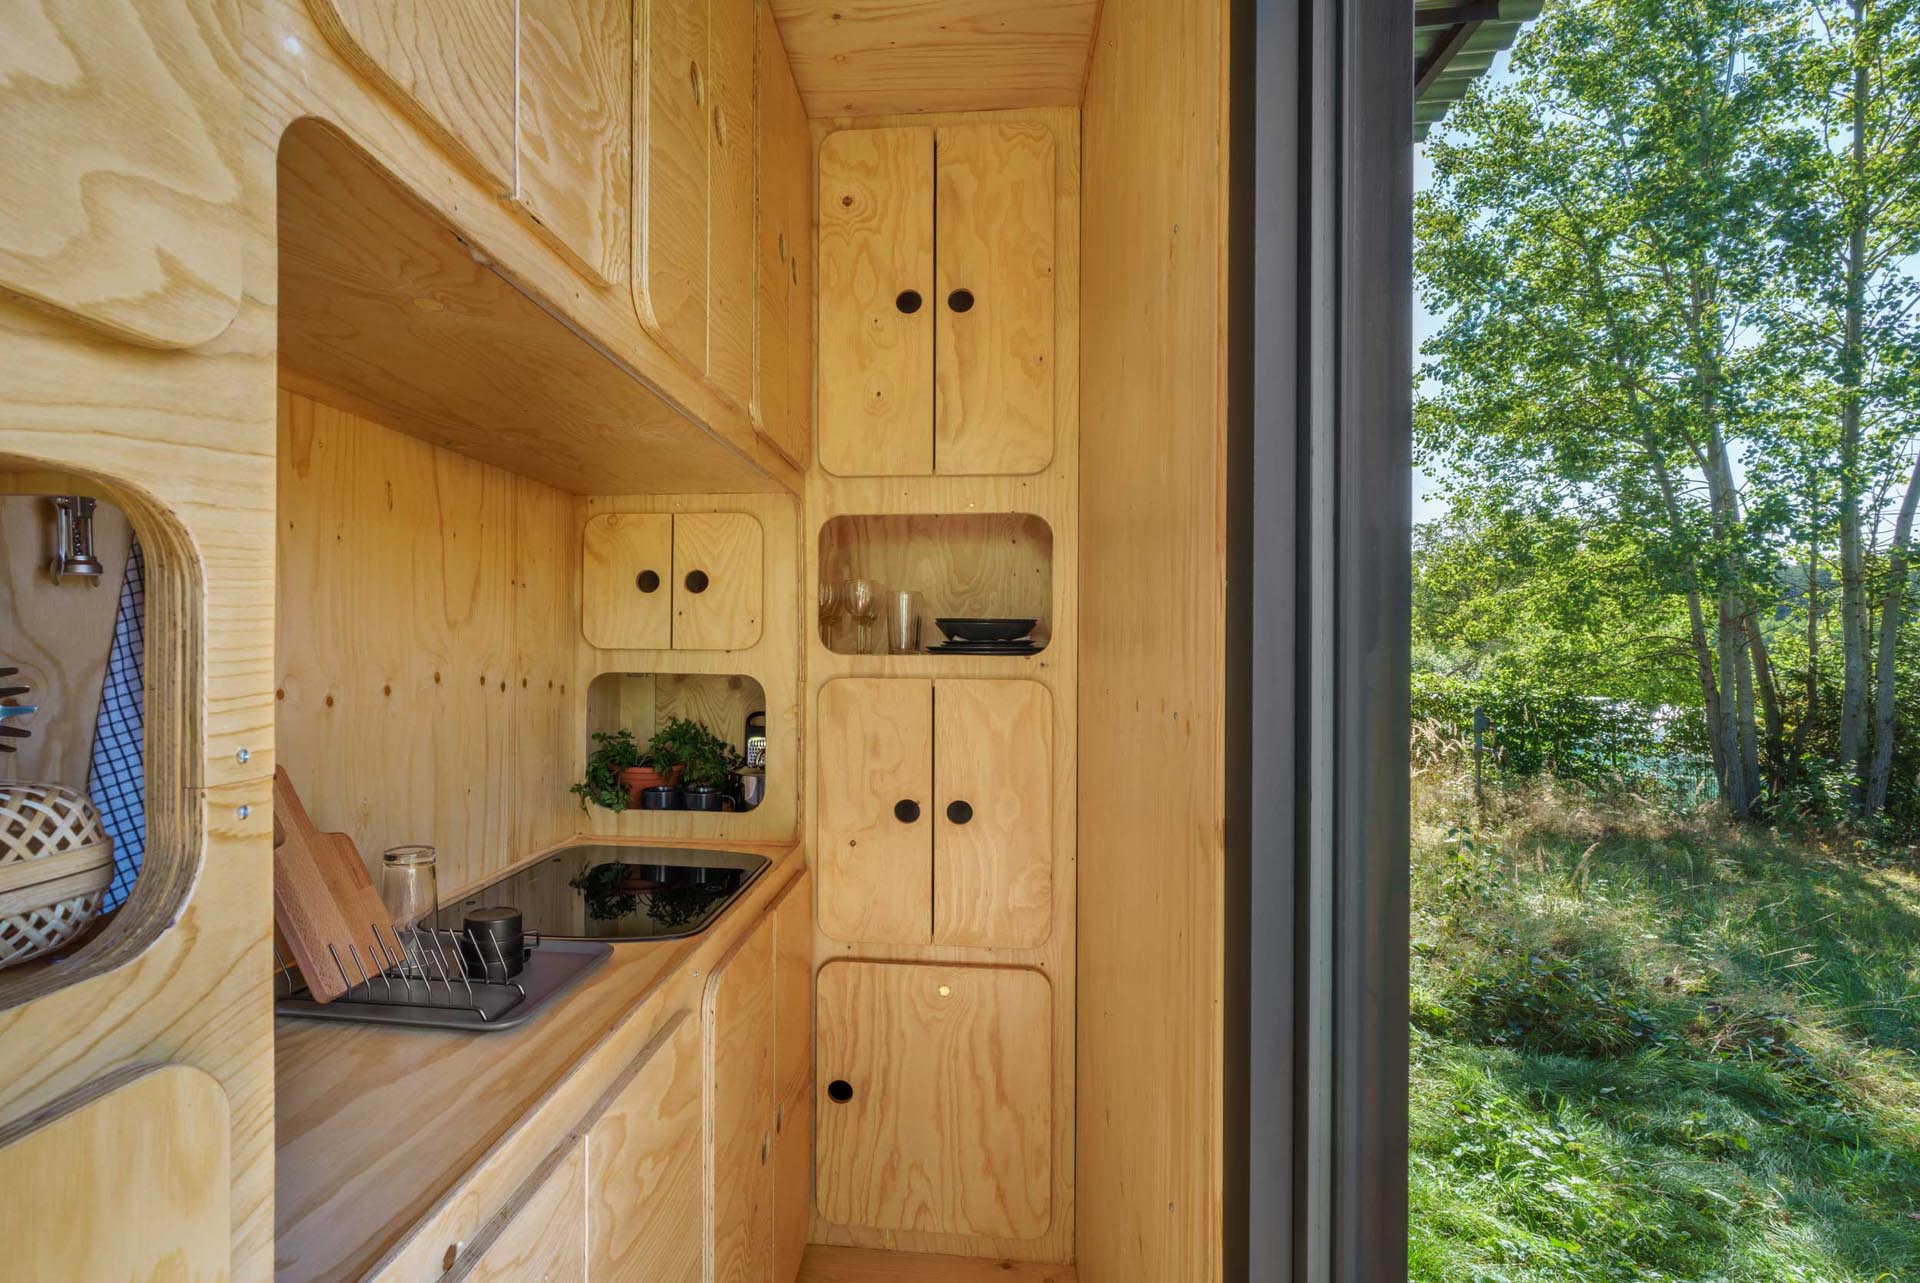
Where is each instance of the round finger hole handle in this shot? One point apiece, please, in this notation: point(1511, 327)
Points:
point(647, 581)
point(906, 810)
point(908, 301)
point(839, 1091)
point(959, 812)
point(697, 581)
point(961, 300)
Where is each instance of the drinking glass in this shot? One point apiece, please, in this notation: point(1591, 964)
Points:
point(409, 888)
point(903, 622)
point(863, 603)
point(831, 600)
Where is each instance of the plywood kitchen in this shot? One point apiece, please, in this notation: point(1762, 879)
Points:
point(645, 583)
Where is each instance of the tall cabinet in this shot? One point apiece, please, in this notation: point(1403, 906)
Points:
point(942, 786)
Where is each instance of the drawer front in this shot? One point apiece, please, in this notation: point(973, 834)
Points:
point(644, 1168)
point(934, 1108)
point(542, 1237)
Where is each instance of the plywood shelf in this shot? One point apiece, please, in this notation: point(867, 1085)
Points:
point(992, 565)
point(387, 311)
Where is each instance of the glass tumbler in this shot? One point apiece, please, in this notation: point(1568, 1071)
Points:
point(903, 622)
point(410, 889)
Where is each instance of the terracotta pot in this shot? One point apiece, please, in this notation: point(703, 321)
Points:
point(635, 778)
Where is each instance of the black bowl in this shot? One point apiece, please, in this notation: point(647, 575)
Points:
point(982, 630)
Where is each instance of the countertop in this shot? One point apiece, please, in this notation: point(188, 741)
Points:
point(381, 1133)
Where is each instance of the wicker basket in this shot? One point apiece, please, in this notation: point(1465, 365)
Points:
point(56, 863)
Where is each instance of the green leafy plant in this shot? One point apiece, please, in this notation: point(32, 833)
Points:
point(615, 751)
point(706, 757)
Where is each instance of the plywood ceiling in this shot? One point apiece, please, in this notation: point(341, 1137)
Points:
point(879, 57)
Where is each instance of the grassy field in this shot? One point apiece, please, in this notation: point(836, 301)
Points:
point(1649, 1046)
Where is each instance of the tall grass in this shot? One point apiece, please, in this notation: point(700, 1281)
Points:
point(1648, 1045)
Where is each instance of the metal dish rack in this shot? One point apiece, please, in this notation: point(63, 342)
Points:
point(423, 980)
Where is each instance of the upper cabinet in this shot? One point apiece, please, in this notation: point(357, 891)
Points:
point(120, 125)
point(536, 97)
point(936, 264)
point(783, 331)
point(693, 185)
point(692, 581)
point(575, 139)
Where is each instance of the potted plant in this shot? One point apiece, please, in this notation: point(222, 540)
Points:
point(707, 761)
point(617, 770)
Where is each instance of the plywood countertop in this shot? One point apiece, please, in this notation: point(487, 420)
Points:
point(393, 1145)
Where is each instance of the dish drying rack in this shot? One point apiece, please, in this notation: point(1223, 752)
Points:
point(423, 979)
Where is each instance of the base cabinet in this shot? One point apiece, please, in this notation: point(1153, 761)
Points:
point(541, 1236)
point(644, 1167)
point(935, 1101)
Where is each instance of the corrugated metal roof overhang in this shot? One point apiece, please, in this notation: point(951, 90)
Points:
point(1454, 42)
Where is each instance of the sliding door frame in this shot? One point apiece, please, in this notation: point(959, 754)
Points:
point(1319, 534)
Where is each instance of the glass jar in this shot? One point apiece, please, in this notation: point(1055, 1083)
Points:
point(410, 890)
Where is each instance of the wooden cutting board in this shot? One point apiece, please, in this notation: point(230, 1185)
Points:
point(322, 897)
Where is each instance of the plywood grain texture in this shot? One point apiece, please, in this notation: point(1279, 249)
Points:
point(993, 860)
point(825, 1264)
point(993, 295)
point(448, 65)
point(58, 636)
point(644, 1166)
point(672, 99)
point(717, 580)
point(1051, 496)
point(874, 743)
point(1152, 710)
point(875, 262)
point(385, 310)
point(782, 406)
point(948, 1125)
point(541, 1237)
point(739, 1031)
point(731, 249)
point(574, 142)
point(120, 128)
point(420, 698)
point(128, 1180)
point(626, 581)
point(874, 57)
point(643, 702)
point(772, 662)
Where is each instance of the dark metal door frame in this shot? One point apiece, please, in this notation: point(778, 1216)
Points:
point(1317, 665)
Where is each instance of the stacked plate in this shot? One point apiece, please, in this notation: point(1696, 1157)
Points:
point(986, 637)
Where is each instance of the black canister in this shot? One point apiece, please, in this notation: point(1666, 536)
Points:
point(494, 949)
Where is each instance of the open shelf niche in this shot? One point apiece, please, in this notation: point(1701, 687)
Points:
point(981, 565)
point(643, 702)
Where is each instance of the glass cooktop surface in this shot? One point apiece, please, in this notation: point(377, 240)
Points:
point(608, 892)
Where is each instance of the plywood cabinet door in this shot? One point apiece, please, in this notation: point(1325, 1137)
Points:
point(782, 407)
point(934, 1109)
point(644, 1172)
point(717, 559)
point(574, 141)
point(876, 307)
point(732, 31)
point(992, 813)
point(542, 1236)
point(993, 286)
point(121, 127)
point(874, 858)
point(672, 104)
point(793, 1077)
point(626, 589)
point(740, 1106)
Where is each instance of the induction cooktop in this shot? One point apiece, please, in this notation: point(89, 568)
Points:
point(615, 893)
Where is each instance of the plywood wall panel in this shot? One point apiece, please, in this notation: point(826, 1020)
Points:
point(422, 595)
point(1152, 614)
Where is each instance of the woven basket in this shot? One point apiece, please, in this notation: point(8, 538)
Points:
point(56, 863)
